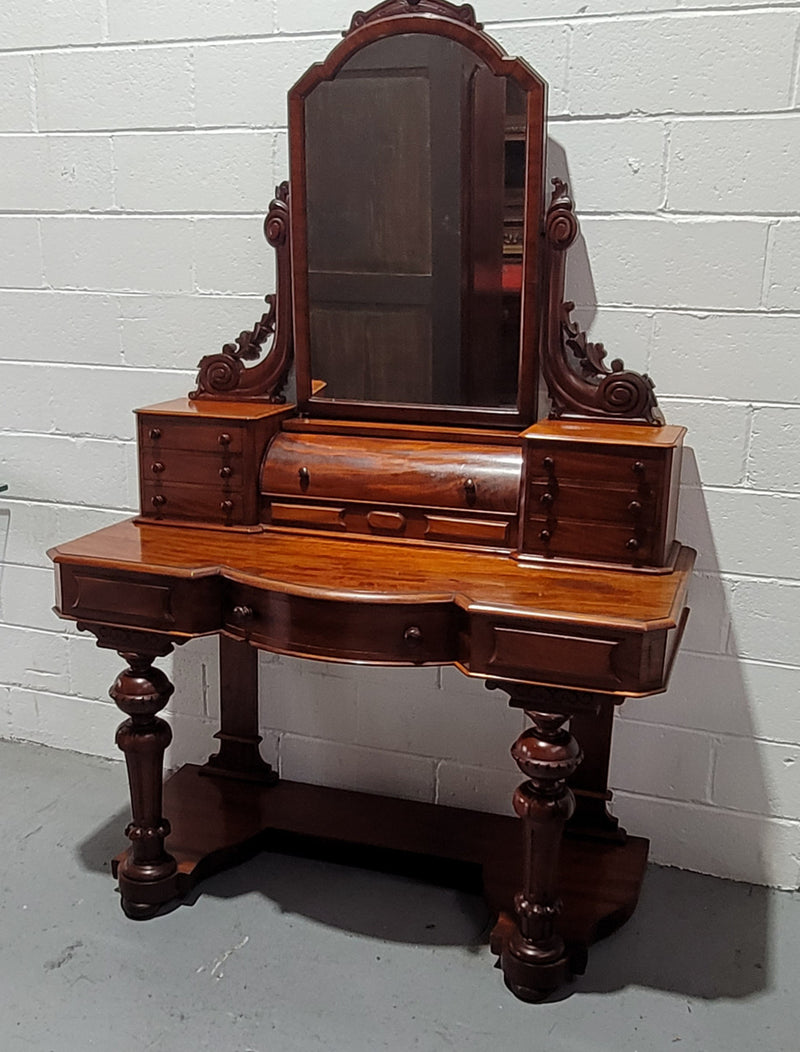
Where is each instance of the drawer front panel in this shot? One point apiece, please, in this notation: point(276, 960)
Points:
point(181, 605)
point(402, 634)
point(623, 507)
point(174, 465)
point(625, 467)
point(493, 530)
point(568, 539)
point(161, 432)
point(184, 501)
point(550, 653)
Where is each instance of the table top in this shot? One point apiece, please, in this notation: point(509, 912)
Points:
point(350, 569)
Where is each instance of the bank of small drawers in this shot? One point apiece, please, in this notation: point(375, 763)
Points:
point(610, 503)
point(194, 470)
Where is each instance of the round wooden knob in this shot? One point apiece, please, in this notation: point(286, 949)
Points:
point(546, 498)
point(243, 613)
point(224, 439)
point(638, 467)
point(157, 467)
point(413, 635)
point(545, 536)
point(155, 434)
point(225, 473)
point(635, 507)
point(548, 463)
point(226, 506)
point(632, 545)
point(159, 500)
point(304, 475)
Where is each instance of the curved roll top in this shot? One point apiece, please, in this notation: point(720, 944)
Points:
point(393, 471)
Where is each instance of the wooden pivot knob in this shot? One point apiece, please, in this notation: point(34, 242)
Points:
point(157, 467)
point(159, 500)
point(224, 439)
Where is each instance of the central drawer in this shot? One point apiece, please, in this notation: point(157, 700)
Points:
point(363, 631)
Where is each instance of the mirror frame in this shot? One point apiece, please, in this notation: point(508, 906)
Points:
point(439, 18)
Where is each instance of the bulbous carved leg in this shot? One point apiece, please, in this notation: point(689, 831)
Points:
point(147, 874)
point(534, 960)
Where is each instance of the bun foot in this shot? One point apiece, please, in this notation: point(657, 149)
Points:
point(139, 911)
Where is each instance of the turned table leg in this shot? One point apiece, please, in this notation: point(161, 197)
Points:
point(535, 961)
point(147, 874)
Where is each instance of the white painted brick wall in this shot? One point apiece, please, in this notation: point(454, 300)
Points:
point(140, 144)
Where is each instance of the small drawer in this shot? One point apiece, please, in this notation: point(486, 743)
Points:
point(624, 467)
point(623, 507)
point(184, 501)
point(159, 433)
point(568, 539)
point(176, 465)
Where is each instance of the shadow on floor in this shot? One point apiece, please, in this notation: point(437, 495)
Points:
point(693, 935)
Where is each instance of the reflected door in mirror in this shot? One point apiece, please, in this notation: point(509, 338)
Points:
point(412, 293)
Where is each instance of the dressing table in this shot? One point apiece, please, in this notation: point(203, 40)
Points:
point(410, 504)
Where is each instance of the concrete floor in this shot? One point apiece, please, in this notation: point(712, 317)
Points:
point(296, 955)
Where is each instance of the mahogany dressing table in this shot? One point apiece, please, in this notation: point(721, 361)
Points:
point(411, 505)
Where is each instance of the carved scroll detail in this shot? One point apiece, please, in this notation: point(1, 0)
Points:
point(593, 390)
point(225, 375)
point(389, 8)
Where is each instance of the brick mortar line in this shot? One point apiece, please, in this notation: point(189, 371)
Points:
point(621, 16)
point(699, 313)
point(714, 735)
point(703, 805)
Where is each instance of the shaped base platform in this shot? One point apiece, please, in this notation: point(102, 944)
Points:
point(218, 822)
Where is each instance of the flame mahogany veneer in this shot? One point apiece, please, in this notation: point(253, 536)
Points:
point(538, 555)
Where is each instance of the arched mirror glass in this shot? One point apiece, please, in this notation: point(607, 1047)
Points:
point(415, 173)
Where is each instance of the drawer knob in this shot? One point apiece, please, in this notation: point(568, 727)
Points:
point(155, 434)
point(548, 463)
point(157, 467)
point(226, 506)
point(225, 473)
point(546, 498)
point(305, 477)
point(159, 500)
point(635, 507)
point(243, 613)
point(224, 439)
point(638, 467)
point(413, 635)
point(632, 545)
point(470, 490)
point(545, 536)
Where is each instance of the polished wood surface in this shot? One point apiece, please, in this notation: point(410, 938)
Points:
point(357, 570)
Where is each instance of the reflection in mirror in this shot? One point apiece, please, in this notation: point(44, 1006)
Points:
point(415, 169)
